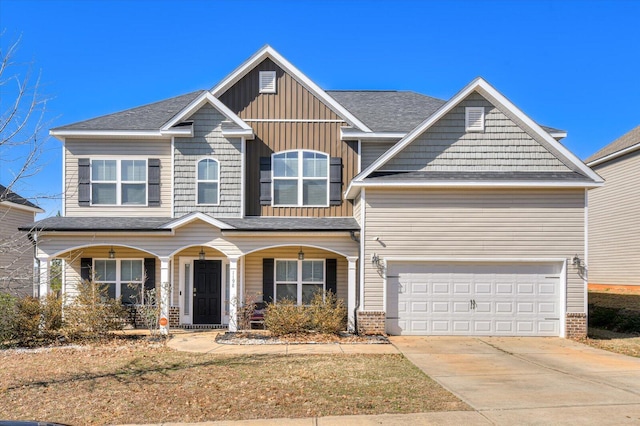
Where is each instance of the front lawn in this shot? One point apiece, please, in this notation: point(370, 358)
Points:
point(137, 383)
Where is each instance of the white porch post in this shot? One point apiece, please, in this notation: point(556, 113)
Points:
point(43, 277)
point(351, 292)
point(234, 298)
point(164, 295)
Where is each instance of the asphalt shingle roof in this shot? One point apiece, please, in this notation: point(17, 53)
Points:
point(12, 197)
point(388, 110)
point(146, 117)
point(625, 141)
point(141, 224)
point(478, 176)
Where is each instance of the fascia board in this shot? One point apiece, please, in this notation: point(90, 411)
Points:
point(482, 86)
point(614, 155)
point(352, 190)
point(104, 134)
point(18, 206)
point(348, 134)
point(269, 52)
point(196, 216)
point(200, 101)
point(237, 133)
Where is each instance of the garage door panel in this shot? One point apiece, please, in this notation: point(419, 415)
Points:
point(473, 298)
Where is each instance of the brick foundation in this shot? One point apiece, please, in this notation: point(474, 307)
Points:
point(576, 326)
point(371, 322)
point(174, 316)
point(137, 321)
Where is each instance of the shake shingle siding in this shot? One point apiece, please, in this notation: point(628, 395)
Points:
point(502, 146)
point(207, 142)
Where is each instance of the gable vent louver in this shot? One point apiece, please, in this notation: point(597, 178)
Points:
point(474, 119)
point(267, 82)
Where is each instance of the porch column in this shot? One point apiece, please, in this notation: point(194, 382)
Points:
point(351, 293)
point(164, 295)
point(43, 276)
point(234, 299)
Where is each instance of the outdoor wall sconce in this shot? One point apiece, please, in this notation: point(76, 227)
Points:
point(577, 262)
point(201, 254)
point(300, 254)
point(112, 253)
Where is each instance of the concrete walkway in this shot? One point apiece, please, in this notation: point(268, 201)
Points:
point(531, 380)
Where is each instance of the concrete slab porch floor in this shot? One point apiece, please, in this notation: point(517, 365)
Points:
point(529, 380)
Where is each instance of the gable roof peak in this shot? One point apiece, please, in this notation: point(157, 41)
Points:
point(269, 52)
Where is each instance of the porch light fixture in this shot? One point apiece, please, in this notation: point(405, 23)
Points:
point(112, 253)
point(300, 254)
point(201, 254)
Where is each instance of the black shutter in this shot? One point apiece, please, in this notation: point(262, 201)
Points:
point(331, 270)
point(267, 280)
point(265, 181)
point(153, 165)
point(335, 181)
point(150, 273)
point(85, 268)
point(84, 182)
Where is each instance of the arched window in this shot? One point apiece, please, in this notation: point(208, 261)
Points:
point(300, 178)
point(208, 182)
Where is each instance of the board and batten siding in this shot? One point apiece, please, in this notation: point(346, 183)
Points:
point(614, 223)
point(480, 223)
point(297, 119)
point(502, 146)
point(208, 142)
point(253, 267)
point(16, 253)
point(116, 149)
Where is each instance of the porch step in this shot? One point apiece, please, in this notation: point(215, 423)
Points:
point(202, 326)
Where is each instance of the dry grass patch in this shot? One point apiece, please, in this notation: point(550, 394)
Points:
point(622, 343)
point(135, 383)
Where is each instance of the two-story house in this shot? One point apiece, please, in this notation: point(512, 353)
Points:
point(426, 216)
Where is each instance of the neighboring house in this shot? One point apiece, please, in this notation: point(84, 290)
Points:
point(426, 216)
point(614, 219)
point(16, 249)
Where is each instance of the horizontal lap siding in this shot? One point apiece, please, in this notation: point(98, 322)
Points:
point(474, 223)
point(16, 252)
point(614, 223)
point(116, 149)
point(253, 267)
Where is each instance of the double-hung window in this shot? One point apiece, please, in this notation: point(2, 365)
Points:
point(299, 280)
point(123, 278)
point(208, 182)
point(118, 182)
point(300, 178)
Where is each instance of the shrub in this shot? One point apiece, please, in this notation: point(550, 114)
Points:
point(91, 314)
point(286, 318)
point(27, 319)
point(51, 309)
point(7, 316)
point(327, 313)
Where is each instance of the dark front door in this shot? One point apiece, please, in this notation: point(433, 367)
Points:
point(207, 291)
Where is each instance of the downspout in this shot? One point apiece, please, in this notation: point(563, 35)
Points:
point(357, 304)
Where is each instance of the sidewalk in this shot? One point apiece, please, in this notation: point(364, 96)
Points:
point(204, 341)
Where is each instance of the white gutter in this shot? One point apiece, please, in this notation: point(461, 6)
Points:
point(614, 155)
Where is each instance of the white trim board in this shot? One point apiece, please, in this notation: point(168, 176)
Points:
point(269, 52)
point(614, 155)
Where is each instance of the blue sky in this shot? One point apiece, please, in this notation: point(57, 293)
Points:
point(572, 65)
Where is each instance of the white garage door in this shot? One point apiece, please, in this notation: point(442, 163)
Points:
point(473, 299)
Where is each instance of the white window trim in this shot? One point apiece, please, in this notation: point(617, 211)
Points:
point(467, 113)
point(298, 281)
point(300, 178)
point(118, 282)
point(266, 89)
point(207, 181)
point(119, 182)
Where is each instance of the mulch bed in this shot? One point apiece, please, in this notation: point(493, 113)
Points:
point(259, 337)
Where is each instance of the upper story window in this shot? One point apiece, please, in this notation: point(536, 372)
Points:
point(474, 119)
point(208, 182)
point(267, 82)
point(118, 182)
point(300, 178)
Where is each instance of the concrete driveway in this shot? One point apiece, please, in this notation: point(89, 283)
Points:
point(531, 380)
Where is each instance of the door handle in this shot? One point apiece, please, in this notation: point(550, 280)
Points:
point(473, 304)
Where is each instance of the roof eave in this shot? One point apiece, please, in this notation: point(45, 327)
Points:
point(112, 134)
point(614, 155)
point(351, 134)
point(21, 206)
